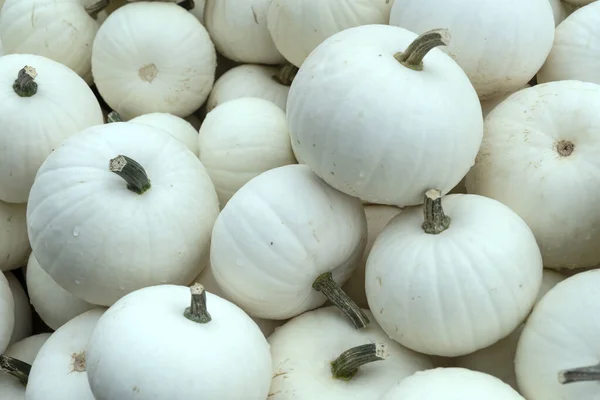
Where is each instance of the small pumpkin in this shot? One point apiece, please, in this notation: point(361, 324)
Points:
point(25, 350)
point(23, 323)
point(178, 127)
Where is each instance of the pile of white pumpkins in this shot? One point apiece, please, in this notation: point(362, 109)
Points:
point(300, 200)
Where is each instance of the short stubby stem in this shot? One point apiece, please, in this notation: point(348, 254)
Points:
point(413, 56)
point(17, 368)
point(197, 310)
point(132, 172)
point(25, 85)
point(113, 116)
point(286, 74)
point(347, 364)
point(435, 220)
point(334, 293)
point(94, 9)
point(583, 374)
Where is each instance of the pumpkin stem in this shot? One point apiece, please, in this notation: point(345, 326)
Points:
point(17, 368)
point(187, 4)
point(197, 311)
point(25, 85)
point(413, 56)
point(334, 293)
point(94, 9)
point(113, 116)
point(132, 172)
point(347, 364)
point(286, 74)
point(435, 220)
point(583, 374)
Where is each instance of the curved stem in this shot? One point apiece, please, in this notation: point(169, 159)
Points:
point(17, 368)
point(326, 285)
point(286, 74)
point(413, 56)
point(132, 172)
point(583, 374)
point(94, 9)
point(435, 220)
point(197, 310)
point(25, 85)
point(113, 116)
point(347, 364)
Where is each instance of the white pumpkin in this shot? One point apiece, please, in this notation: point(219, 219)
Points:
point(176, 349)
point(7, 313)
point(557, 356)
point(451, 384)
point(539, 158)
point(14, 243)
point(559, 10)
point(336, 361)
point(574, 55)
point(299, 26)
point(498, 359)
point(62, 31)
point(449, 281)
point(178, 127)
point(283, 233)
point(241, 139)
point(49, 104)
point(239, 30)
point(249, 81)
point(356, 133)
point(153, 57)
point(499, 44)
point(54, 305)
point(24, 350)
point(59, 370)
point(23, 322)
point(377, 218)
point(488, 105)
point(86, 188)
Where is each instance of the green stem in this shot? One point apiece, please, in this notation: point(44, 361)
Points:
point(197, 310)
point(132, 172)
point(413, 56)
point(583, 374)
point(347, 364)
point(94, 9)
point(25, 85)
point(113, 116)
point(326, 285)
point(17, 368)
point(286, 74)
point(435, 220)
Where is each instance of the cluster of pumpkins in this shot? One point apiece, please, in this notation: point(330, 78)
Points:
point(299, 199)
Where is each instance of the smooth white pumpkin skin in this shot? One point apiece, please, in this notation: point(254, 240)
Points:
point(14, 243)
point(54, 305)
point(241, 139)
point(362, 147)
point(451, 384)
point(25, 350)
point(7, 313)
point(277, 234)
point(161, 236)
point(518, 165)
point(55, 373)
point(412, 280)
point(239, 30)
point(141, 67)
point(31, 127)
point(23, 322)
point(499, 44)
point(488, 105)
point(225, 358)
point(178, 127)
point(248, 81)
point(299, 26)
point(560, 334)
point(62, 31)
point(377, 218)
point(498, 359)
point(304, 371)
point(575, 49)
